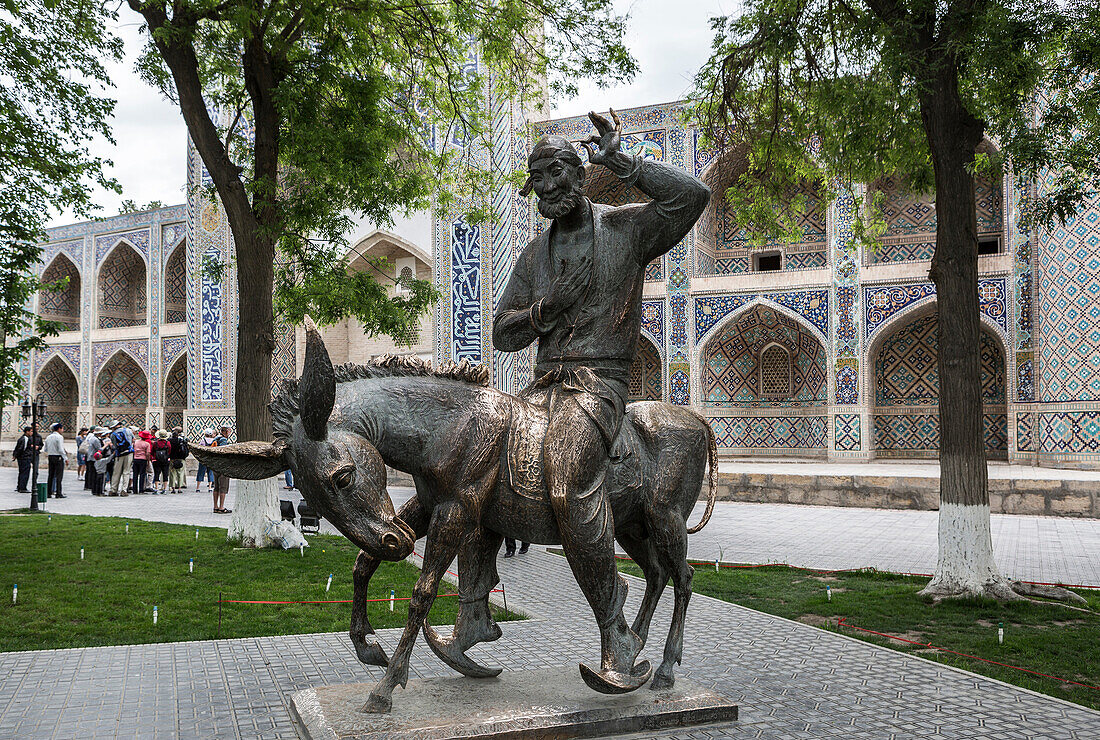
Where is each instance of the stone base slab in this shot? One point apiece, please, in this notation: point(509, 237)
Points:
point(543, 703)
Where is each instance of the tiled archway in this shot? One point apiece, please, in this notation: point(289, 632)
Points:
point(62, 306)
point(175, 285)
point(907, 389)
point(57, 383)
point(645, 373)
point(175, 393)
point(122, 296)
point(121, 391)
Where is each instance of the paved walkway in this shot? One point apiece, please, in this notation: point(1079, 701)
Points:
point(1035, 548)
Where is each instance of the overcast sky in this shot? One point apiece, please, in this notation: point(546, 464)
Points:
point(670, 40)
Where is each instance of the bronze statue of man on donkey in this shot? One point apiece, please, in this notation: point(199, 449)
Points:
point(567, 462)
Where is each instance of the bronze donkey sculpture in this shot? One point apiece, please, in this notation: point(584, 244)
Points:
point(474, 454)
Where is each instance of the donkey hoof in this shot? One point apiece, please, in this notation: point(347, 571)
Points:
point(378, 704)
point(661, 682)
point(371, 653)
point(616, 682)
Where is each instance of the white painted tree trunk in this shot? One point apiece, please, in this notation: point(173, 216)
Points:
point(965, 565)
point(255, 512)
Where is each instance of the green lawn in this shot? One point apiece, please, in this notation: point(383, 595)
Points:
point(108, 598)
point(1041, 637)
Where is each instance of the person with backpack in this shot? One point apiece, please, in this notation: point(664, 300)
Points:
point(122, 441)
point(177, 474)
point(162, 453)
point(101, 452)
point(143, 451)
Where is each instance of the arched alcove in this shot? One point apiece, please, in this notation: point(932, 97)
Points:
point(121, 391)
point(175, 393)
point(910, 216)
point(61, 305)
point(645, 373)
point(175, 285)
point(764, 385)
point(723, 246)
point(57, 384)
point(907, 388)
point(122, 296)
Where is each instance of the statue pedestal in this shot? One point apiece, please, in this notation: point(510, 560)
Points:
point(544, 703)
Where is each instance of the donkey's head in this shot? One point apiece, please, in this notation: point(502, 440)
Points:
point(338, 471)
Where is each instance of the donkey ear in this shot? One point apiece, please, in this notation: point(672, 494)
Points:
point(317, 388)
point(245, 460)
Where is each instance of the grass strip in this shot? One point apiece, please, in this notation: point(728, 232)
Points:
point(1040, 637)
point(108, 597)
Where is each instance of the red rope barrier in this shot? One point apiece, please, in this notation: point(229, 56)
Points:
point(844, 623)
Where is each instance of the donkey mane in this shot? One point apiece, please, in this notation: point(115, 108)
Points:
point(284, 406)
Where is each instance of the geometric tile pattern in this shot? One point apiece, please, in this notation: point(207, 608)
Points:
point(136, 348)
point(175, 285)
point(845, 279)
point(680, 266)
point(58, 384)
point(919, 434)
point(138, 240)
point(645, 373)
point(846, 432)
point(70, 352)
point(1069, 291)
point(170, 349)
point(1070, 431)
point(733, 239)
point(731, 362)
point(122, 289)
point(175, 385)
point(812, 305)
point(906, 372)
point(1025, 432)
point(122, 385)
point(61, 305)
point(805, 260)
point(791, 433)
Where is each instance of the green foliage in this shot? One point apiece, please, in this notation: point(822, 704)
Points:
point(1042, 637)
point(108, 597)
point(129, 206)
point(50, 108)
point(832, 91)
point(328, 113)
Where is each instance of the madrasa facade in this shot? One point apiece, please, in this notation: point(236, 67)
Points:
point(821, 349)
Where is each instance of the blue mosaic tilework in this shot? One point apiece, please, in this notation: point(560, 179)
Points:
point(805, 261)
point(1070, 432)
point(1025, 432)
point(846, 432)
point(653, 321)
point(678, 320)
point(466, 291)
point(904, 252)
point(919, 434)
point(138, 239)
point(1025, 377)
point(138, 349)
point(73, 249)
point(846, 347)
point(790, 433)
point(71, 353)
point(645, 373)
point(1069, 295)
point(812, 305)
point(883, 302)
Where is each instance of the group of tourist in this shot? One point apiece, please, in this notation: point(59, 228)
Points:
point(116, 460)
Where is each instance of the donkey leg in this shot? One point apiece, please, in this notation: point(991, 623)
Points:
point(656, 577)
point(671, 546)
point(368, 650)
point(477, 575)
point(448, 523)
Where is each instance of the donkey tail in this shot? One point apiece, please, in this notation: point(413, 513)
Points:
point(712, 461)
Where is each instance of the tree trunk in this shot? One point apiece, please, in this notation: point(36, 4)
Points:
point(965, 565)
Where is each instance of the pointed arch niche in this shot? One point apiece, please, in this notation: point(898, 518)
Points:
point(175, 285)
point(911, 217)
point(121, 391)
point(723, 247)
point(122, 296)
point(645, 373)
point(175, 393)
point(57, 383)
point(906, 389)
point(61, 305)
point(764, 385)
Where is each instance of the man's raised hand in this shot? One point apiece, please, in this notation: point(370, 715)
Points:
point(605, 143)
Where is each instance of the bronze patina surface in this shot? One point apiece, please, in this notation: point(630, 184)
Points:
point(566, 462)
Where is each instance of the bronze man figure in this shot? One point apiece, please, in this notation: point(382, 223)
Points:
point(577, 290)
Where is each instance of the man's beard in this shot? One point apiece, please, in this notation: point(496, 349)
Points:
point(563, 205)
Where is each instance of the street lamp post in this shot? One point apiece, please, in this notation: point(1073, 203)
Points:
point(33, 409)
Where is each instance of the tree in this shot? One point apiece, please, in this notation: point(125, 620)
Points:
point(306, 111)
point(51, 106)
point(848, 91)
point(129, 206)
